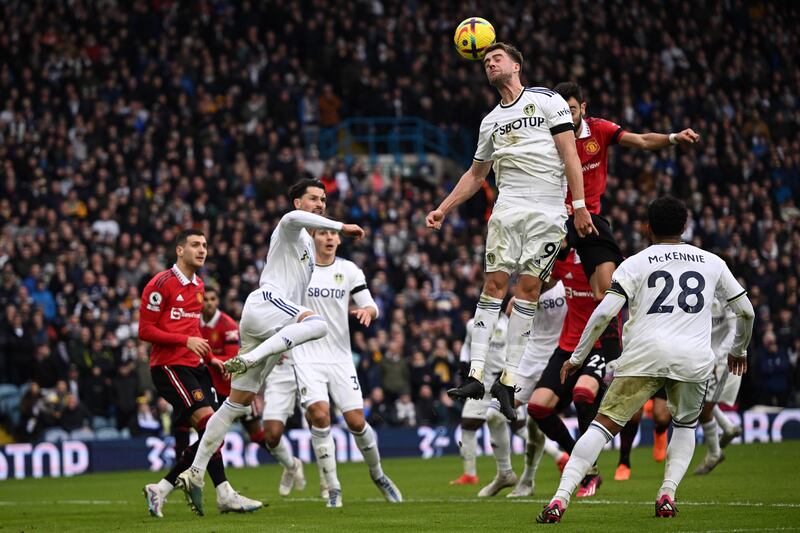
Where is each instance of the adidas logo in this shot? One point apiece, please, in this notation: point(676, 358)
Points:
point(479, 324)
point(526, 334)
point(517, 389)
point(179, 298)
point(288, 342)
point(568, 276)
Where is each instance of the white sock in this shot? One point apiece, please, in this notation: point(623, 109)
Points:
point(552, 449)
point(722, 419)
point(216, 428)
point(486, 316)
point(282, 454)
point(679, 455)
point(165, 487)
point(368, 445)
point(223, 489)
point(311, 328)
point(711, 437)
point(501, 439)
point(325, 450)
point(520, 324)
point(583, 456)
point(533, 451)
point(469, 451)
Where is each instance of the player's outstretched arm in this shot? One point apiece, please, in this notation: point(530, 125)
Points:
point(466, 187)
point(565, 143)
point(608, 308)
point(745, 315)
point(657, 141)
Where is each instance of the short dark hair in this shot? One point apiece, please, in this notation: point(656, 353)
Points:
point(180, 240)
point(299, 189)
point(667, 216)
point(570, 89)
point(513, 53)
point(212, 288)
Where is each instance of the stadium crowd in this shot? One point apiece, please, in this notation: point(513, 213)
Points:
point(121, 123)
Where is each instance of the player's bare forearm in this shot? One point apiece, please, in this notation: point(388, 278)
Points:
point(608, 308)
point(467, 186)
point(565, 143)
point(657, 141)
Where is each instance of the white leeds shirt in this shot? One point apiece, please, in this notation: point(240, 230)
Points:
point(328, 295)
point(547, 324)
point(290, 260)
point(670, 290)
point(518, 138)
point(723, 330)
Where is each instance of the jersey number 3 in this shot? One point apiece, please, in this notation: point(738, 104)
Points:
point(686, 291)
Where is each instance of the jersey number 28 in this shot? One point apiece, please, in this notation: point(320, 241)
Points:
point(686, 291)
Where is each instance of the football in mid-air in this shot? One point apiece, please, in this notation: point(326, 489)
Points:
point(473, 36)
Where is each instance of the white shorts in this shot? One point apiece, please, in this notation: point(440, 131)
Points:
point(524, 238)
point(723, 387)
point(280, 393)
point(264, 313)
point(527, 377)
point(318, 381)
point(627, 394)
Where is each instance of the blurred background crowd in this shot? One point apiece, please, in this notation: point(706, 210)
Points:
point(123, 122)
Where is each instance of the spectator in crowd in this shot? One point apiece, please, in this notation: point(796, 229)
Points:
point(105, 154)
point(75, 415)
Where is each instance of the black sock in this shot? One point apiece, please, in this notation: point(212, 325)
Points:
point(552, 426)
point(216, 469)
point(181, 440)
point(586, 413)
point(627, 435)
point(661, 428)
point(183, 462)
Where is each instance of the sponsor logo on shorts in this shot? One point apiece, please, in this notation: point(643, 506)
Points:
point(479, 324)
point(198, 395)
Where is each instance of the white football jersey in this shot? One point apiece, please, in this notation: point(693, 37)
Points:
point(496, 355)
point(723, 330)
point(290, 260)
point(547, 325)
point(329, 295)
point(518, 138)
point(670, 290)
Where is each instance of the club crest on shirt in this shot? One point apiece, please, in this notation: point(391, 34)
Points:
point(304, 258)
point(197, 394)
point(529, 110)
point(338, 278)
point(199, 297)
point(592, 147)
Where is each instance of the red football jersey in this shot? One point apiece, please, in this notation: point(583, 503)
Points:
point(169, 314)
point(592, 143)
point(222, 333)
point(580, 300)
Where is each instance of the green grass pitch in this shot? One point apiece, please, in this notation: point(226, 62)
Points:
point(756, 489)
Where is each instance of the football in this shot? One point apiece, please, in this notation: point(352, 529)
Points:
point(473, 36)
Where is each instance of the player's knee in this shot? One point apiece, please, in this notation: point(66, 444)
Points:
point(355, 420)
point(319, 415)
point(583, 395)
point(538, 411)
point(316, 325)
point(495, 418)
point(495, 286)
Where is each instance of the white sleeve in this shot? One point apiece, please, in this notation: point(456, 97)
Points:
point(745, 315)
point(728, 289)
point(608, 308)
point(466, 356)
point(359, 289)
point(624, 281)
point(485, 145)
point(296, 220)
point(557, 113)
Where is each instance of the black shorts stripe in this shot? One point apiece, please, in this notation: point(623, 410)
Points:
point(561, 128)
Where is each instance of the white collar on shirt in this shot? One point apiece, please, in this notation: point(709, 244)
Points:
point(585, 131)
point(211, 323)
point(183, 279)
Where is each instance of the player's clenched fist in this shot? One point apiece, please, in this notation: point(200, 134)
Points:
point(198, 345)
point(687, 136)
point(354, 231)
point(434, 219)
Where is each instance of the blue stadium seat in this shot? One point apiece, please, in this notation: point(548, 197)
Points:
point(55, 435)
point(125, 433)
point(107, 433)
point(9, 389)
point(82, 434)
point(100, 422)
